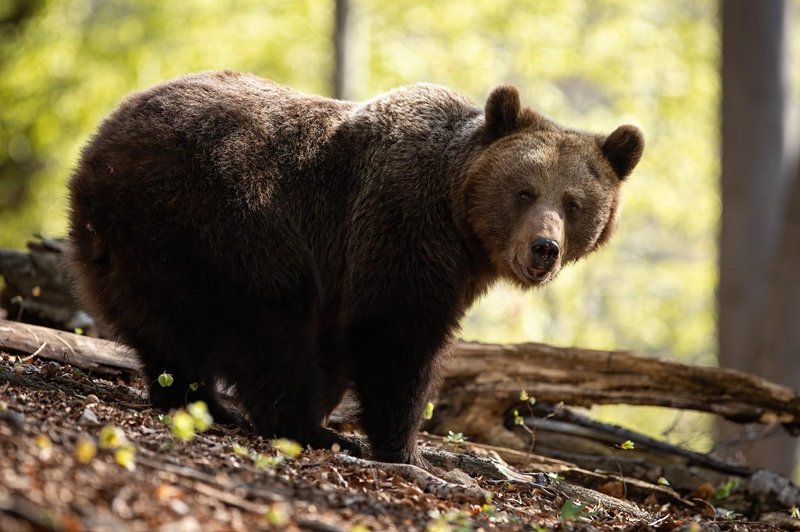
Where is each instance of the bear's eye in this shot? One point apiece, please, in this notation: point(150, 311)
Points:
point(525, 197)
point(572, 206)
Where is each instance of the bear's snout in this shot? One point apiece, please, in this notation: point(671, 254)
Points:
point(544, 254)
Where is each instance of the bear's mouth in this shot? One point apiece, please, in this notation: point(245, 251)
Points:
point(537, 275)
point(532, 275)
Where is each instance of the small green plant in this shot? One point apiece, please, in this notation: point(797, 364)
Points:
point(627, 445)
point(662, 481)
point(165, 380)
point(240, 450)
point(112, 438)
point(287, 448)
point(428, 411)
point(199, 412)
point(725, 489)
point(571, 510)
point(194, 386)
point(183, 425)
point(277, 515)
point(186, 423)
point(794, 512)
point(126, 457)
point(85, 449)
point(452, 521)
point(455, 437)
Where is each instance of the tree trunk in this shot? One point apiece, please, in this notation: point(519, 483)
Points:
point(754, 110)
point(342, 76)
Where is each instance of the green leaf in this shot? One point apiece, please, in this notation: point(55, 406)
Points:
point(265, 461)
point(126, 457)
point(111, 437)
point(277, 515)
point(194, 386)
point(428, 411)
point(240, 450)
point(662, 481)
point(288, 448)
point(165, 380)
point(523, 396)
point(85, 449)
point(570, 510)
point(455, 437)
point(199, 412)
point(725, 489)
point(627, 445)
point(183, 425)
point(794, 512)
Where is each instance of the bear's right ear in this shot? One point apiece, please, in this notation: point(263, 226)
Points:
point(623, 149)
point(502, 112)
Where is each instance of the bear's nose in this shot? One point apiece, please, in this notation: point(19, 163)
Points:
point(545, 252)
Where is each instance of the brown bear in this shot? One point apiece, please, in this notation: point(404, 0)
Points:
point(232, 229)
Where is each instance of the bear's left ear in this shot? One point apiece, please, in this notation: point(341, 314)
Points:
point(502, 112)
point(623, 148)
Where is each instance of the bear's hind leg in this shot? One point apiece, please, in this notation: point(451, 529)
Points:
point(279, 380)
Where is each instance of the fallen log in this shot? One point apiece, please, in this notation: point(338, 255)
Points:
point(91, 354)
point(496, 374)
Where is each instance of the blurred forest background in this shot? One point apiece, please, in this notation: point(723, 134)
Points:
point(591, 64)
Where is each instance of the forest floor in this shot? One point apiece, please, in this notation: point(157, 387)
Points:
point(80, 452)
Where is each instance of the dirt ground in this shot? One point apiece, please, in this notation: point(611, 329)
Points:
point(80, 452)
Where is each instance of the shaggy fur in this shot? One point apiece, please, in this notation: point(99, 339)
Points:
point(229, 228)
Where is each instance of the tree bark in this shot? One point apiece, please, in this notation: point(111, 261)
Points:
point(754, 110)
point(91, 354)
point(342, 51)
point(490, 377)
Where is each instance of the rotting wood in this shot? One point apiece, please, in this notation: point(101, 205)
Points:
point(91, 354)
point(586, 377)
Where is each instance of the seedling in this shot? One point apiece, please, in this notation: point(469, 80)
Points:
point(455, 437)
point(165, 380)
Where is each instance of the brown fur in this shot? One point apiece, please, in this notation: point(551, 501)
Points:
point(229, 228)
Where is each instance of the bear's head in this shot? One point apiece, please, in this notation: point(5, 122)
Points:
point(538, 195)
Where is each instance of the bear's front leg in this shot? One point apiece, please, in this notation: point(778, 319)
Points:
point(395, 370)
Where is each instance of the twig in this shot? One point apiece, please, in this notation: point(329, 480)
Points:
point(420, 478)
point(33, 355)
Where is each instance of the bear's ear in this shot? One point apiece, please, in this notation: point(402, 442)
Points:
point(502, 112)
point(623, 149)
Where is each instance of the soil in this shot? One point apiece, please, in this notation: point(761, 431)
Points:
point(53, 416)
